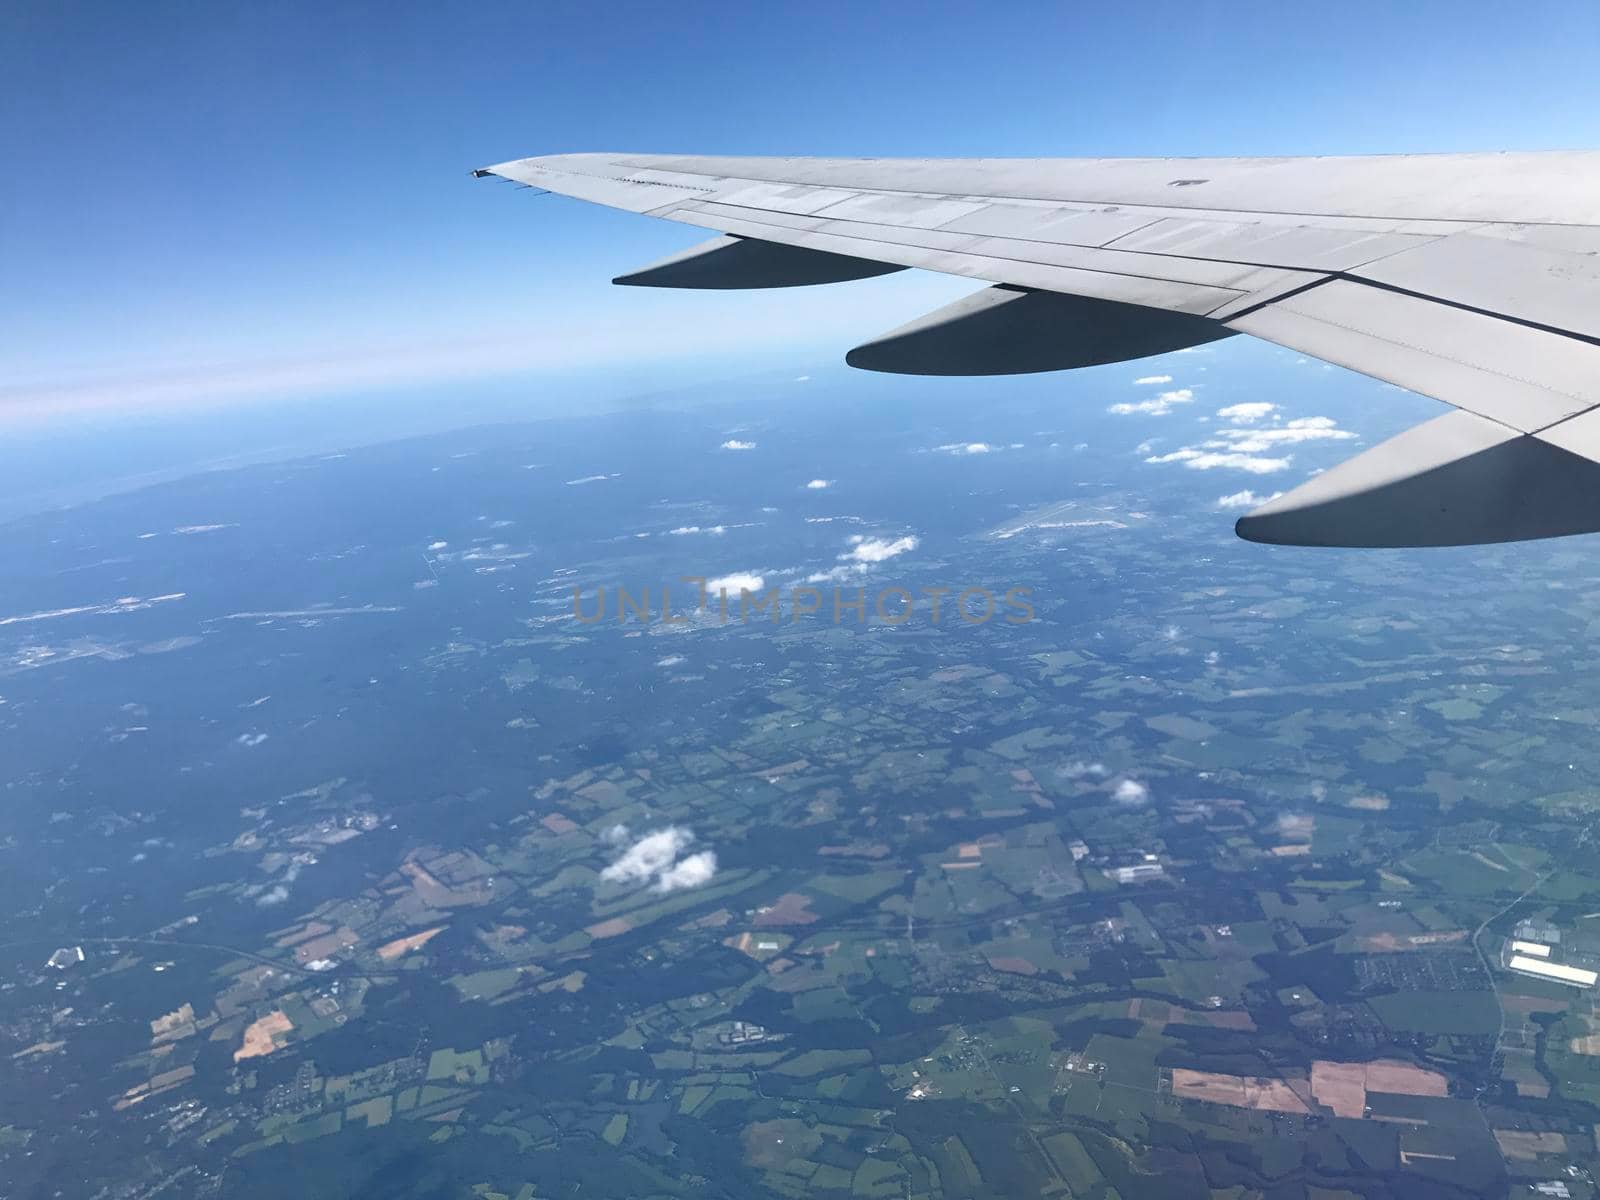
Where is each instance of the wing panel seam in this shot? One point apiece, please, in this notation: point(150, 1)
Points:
point(1108, 247)
point(1209, 287)
point(1395, 341)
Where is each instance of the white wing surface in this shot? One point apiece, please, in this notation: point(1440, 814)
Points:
point(1471, 278)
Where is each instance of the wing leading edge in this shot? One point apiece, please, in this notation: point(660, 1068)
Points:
point(1471, 278)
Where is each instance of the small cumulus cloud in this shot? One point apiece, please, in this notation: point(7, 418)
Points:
point(876, 550)
point(816, 485)
point(863, 554)
point(739, 581)
point(1151, 379)
point(1295, 826)
point(834, 574)
point(688, 872)
point(279, 892)
point(1079, 769)
point(1305, 429)
point(1244, 414)
point(964, 448)
point(1158, 407)
point(736, 444)
point(1200, 460)
point(649, 856)
point(1254, 448)
point(1244, 499)
point(655, 857)
point(1130, 792)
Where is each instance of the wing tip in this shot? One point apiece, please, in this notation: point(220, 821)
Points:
point(1247, 530)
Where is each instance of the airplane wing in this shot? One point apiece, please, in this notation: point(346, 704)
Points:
point(1472, 278)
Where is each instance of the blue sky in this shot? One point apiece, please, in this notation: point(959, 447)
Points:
point(228, 203)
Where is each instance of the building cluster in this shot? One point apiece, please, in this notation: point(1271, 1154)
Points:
point(742, 1033)
point(1147, 868)
point(1534, 949)
point(67, 956)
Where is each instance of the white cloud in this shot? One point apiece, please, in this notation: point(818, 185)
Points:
point(1079, 768)
point(688, 872)
point(592, 479)
point(1130, 792)
point(966, 448)
point(279, 892)
point(739, 581)
point(876, 550)
point(1248, 449)
point(656, 856)
point(683, 530)
point(616, 834)
point(864, 552)
point(1304, 429)
point(650, 855)
point(736, 444)
point(1148, 379)
point(835, 574)
point(1199, 460)
point(438, 545)
point(817, 485)
point(671, 660)
point(1294, 825)
point(1245, 499)
point(1159, 407)
point(1244, 414)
